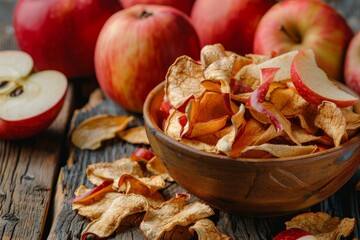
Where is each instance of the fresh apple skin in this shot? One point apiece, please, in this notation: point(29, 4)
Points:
point(352, 63)
point(231, 22)
point(293, 25)
point(61, 34)
point(136, 47)
point(183, 5)
point(313, 84)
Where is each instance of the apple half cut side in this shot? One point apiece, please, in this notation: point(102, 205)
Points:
point(15, 64)
point(313, 84)
point(32, 105)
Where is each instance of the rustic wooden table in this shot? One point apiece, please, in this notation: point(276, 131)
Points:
point(38, 176)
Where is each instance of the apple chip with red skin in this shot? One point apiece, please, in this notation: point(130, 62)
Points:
point(322, 225)
point(183, 80)
point(145, 186)
point(118, 214)
point(98, 172)
point(205, 229)
point(162, 221)
point(91, 132)
point(135, 135)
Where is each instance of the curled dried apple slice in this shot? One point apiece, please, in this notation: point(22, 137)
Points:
point(313, 84)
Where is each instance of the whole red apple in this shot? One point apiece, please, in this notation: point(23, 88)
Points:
point(136, 47)
point(292, 25)
point(230, 22)
point(182, 5)
point(29, 102)
point(61, 34)
point(352, 63)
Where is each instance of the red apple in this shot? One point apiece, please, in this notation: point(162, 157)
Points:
point(313, 84)
point(231, 22)
point(294, 234)
point(29, 103)
point(61, 34)
point(292, 25)
point(183, 5)
point(136, 47)
point(352, 63)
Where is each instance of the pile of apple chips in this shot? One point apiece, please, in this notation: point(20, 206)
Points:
point(127, 195)
point(248, 106)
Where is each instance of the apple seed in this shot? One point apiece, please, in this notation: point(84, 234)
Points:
point(17, 91)
point(3, 83)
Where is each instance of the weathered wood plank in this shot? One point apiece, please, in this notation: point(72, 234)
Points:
point(28, 170)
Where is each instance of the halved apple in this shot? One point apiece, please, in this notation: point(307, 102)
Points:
point(313, 84)
point(28, 103)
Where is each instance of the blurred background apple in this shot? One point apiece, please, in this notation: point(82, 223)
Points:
point(61, 34)
point(352, 64)
point(229, 22)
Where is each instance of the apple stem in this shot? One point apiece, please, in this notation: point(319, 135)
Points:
point(145, 14)
point(295, 37)
point(3, 83)
point(17, 91)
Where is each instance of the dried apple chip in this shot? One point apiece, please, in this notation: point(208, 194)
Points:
point(211, 126)
point(160, 221)
point(94, 209)
point(173, 127)
point(90, 133)
point(211, 53)
point(226, 142)
point(156, 167)
point(135, 135)
point(277, 150)
point(145, 186)
point(183, 80)
point(322, 225)
point(98, 172)
point(116, 215)
point(104, 187)
point(332, 121)
point(205, 229)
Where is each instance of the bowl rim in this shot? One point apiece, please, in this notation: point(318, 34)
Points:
point(353, 142)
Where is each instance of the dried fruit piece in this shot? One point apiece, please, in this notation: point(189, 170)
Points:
point(145, 186)
point(183, 80)
point(142, 155)
point(90, 133)
point(98, 172)
point(135, 135)
point(163, 220)
point(322, 225)
point(104, 187)
point(331, 120)
point(205, 229)
point(118, 213)
point(211, 53)
point(276, 150)
point(156, 167)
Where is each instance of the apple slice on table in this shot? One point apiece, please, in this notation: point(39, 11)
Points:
point(313, 84)
point(14, 65)
point(28, 104)
point(294, 234)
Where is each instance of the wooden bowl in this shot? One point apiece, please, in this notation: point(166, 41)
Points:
point(252, 187)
